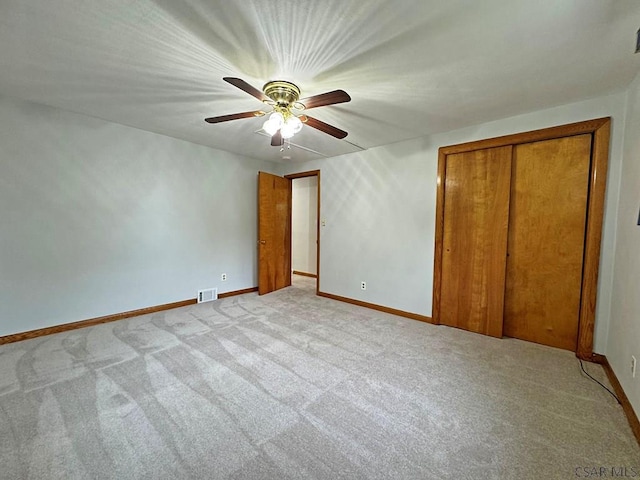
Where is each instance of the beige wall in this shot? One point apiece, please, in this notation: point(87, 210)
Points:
point(98, 218)
point(624, 329)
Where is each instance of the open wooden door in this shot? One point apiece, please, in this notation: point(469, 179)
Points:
point(274, 232)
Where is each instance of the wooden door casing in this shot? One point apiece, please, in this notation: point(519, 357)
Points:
point(600, 130)
point(313, 173)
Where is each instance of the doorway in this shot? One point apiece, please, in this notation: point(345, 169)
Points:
point(275, 211)
point(304, 235)
point(305, 227)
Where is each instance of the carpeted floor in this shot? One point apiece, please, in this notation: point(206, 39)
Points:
point(294, 386)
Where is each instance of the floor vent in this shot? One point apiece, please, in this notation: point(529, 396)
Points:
point(207, 295)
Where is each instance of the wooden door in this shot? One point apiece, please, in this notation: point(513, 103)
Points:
point(476, 214)
point(574, 244)
point(274, 232)
point(547, 223)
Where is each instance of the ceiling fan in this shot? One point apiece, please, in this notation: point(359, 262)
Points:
point(283, 98)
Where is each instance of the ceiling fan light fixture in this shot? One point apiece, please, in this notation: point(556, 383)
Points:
point(287, 131)
point(291, 126)
point(274, 123)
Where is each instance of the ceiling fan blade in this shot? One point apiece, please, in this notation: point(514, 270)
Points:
point(277, 140)
point(329, 98)
point(325, 127)
point(234, 116)
point(244, 86)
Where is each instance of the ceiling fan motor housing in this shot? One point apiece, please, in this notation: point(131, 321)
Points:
point(284, 94)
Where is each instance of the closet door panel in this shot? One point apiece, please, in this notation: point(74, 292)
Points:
point(476, 213)
point(546, 240)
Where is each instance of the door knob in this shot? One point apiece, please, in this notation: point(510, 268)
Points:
point(262, 242)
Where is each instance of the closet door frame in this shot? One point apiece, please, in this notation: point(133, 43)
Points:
point(600, 131)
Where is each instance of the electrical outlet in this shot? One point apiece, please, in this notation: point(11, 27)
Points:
point(363, 285)
point(633, 366)
point(223, 277)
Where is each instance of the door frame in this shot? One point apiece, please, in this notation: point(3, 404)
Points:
point(600, 130)
point(311, 173)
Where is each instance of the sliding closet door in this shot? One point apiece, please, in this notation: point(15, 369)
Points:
point(476, 214)
point(547, 222)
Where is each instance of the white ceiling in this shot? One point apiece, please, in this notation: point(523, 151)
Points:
point(412, 67)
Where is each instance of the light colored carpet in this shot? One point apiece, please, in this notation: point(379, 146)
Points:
point(294, 386)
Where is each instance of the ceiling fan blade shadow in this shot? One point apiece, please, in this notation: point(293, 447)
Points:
point(234, 116)
point(329, 98)
point(244, 86)
point(325, 127)
point(277, 140)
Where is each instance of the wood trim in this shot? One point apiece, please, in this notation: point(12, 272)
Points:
point(238, 292)
point(593, 237)
point(439, 237)
point(318, 237)
point(600, 129)
point(305, 274)
point(568, 130)
point(380, 308)
point(289, 238)
point(631, 415)
point(17, 337)
point(312, 173)
point(65, 327)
